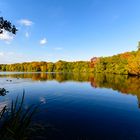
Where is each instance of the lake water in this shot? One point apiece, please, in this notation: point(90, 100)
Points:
point(81, 106)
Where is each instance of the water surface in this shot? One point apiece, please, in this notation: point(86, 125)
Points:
point(81, 106)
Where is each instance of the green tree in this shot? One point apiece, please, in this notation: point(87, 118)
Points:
point(139, 45)
point(7, 25)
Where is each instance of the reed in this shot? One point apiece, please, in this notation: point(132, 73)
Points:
point(15, 120)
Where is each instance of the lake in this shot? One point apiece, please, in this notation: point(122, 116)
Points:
point(81, 106)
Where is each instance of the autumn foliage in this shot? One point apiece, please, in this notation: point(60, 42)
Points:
point(127, 63)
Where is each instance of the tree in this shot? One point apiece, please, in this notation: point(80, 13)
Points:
point(139, 45)
point(7, 26)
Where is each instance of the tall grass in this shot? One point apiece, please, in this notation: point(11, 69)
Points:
point(16, 120)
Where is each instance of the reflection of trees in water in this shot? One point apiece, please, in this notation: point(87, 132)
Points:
point(60, 77)
point(122, 83)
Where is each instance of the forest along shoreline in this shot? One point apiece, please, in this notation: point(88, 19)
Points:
point(127, 63)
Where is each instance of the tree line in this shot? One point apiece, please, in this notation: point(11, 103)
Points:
point(127, 63)
point(60, 66)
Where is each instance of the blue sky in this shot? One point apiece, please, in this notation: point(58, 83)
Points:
point(50, 30)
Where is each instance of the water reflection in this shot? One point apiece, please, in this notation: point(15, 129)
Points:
point(122, 83)
point(80, 104)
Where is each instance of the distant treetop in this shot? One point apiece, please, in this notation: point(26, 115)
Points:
point(139, 45)
point(7, 25)
point(93, 59)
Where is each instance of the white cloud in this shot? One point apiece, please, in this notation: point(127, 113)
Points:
point(27, 34)
point(6, 36)
point(43, 41)
point(25, 22)
point(58, 48)
point(5, 54)
point(1, 53)
point(11, 57)
point(10, 53)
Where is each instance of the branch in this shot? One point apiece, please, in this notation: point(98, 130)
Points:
point(6, 25)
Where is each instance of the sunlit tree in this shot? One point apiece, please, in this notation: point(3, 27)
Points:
point(139, 45)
